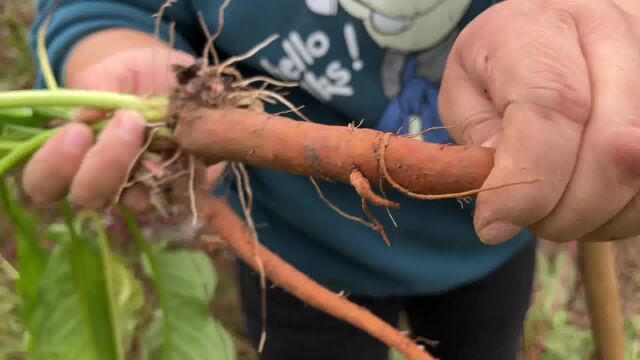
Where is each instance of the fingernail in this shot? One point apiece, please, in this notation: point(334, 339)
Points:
point(130, 125)
point(491, 142)
point(498, 232)
point(76, 139)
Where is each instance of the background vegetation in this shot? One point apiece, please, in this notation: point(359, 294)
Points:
point(557, 326)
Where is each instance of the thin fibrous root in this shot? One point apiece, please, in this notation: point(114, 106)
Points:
point(192, 191)
point(133, 164)
point(234, 59)
point(273, 98)
point(363, 188)
point(234, 231)
point(171, 177)
point(265, 79)
point(266, 94)
point(160, 14)
point(245, 195)
point(284, 112)
point(426, 131)
point(385, 171)
point(208, 48)
point(149, 175)
point(340, 212)
point(211, 38)
point(376, 224)
point(373, 225)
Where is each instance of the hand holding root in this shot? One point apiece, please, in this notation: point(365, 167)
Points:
point(360, 157)
point(536, 80)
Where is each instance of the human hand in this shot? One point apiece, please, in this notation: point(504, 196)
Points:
point(93, 174)
point(553, 86)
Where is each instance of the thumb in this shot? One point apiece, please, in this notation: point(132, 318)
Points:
point(532, 90)
point(137, 71)
point(107, 75)
point(466, 109)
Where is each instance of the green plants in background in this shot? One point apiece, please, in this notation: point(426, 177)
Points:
point(76, 295)
point(80, 299)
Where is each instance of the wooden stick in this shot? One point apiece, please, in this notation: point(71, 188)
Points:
point(596, 262)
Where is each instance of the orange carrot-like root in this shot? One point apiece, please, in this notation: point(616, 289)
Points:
point(219, 216)
point(331, 152)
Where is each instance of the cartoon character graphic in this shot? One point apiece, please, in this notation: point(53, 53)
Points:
point(417, 36)
point(407, 25)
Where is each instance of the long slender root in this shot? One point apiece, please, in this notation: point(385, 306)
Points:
point(238, 236)
point(363, 188)
point(234, 59)
point(264, 79)
point(135, 161)
point(337, 209)
point(211, 38)
point(329, 152)
point(246, 199)
point(376, 224)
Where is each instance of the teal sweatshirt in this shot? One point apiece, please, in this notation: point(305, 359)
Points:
point(375, 61)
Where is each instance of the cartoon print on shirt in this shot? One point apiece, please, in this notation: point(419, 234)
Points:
point(417, 36)
point(301, 54)
point(323, 7)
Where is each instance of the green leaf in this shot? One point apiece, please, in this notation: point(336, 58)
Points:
point(183, 328)
point(88, 301)
point(32, 257)
point(18, 155)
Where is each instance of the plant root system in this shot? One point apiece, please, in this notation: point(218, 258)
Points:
point(215, 115)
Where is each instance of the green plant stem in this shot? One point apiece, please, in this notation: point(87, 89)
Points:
point(24, 150)
point(152, 109)
point(9, 145)
point(27, 130)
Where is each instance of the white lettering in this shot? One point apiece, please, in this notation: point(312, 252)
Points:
point(318, 44)
point(300, 56)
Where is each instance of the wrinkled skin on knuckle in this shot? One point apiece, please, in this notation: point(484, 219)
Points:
point(552, 73)
point(621, 148)
point(473, 121)
point(538, 47)
point(555, 92)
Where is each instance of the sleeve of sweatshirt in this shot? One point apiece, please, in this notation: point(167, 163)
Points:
point(71, 20)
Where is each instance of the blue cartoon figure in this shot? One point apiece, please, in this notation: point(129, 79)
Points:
point(417, 36)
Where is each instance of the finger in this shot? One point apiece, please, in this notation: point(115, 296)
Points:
point(624, 225)
point(465, 107)
point(213, 173)
point(104, 76)
point(89, 116)
point(105, 167)
point(49, 173)
point(154, 71)
point(137, 199)
point(609, 163)
point(543, 98)
point(135, 72)
point(131, 72)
